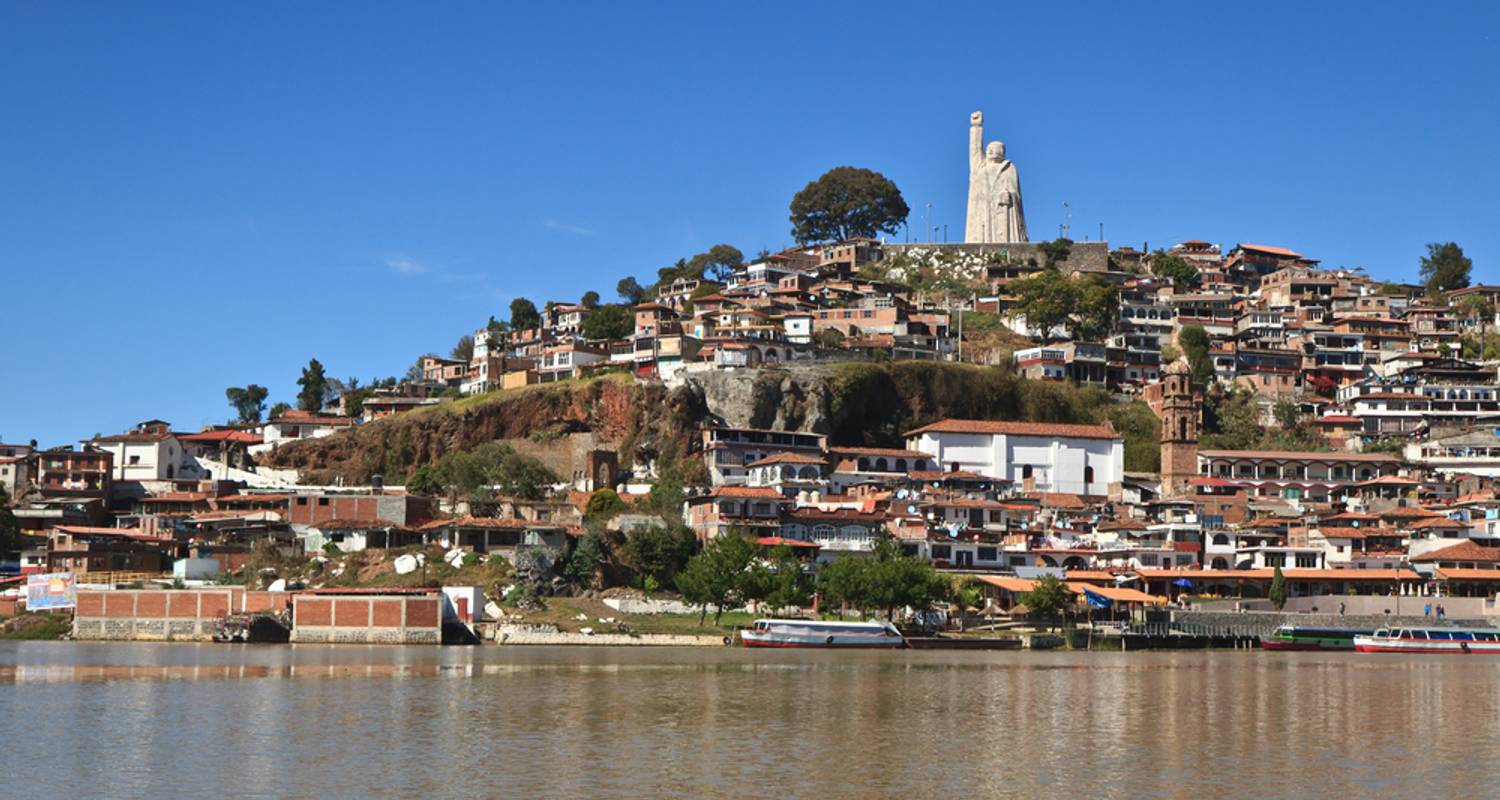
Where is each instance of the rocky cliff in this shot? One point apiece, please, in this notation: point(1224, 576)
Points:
point(853, 403)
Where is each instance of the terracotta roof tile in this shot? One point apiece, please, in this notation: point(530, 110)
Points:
point(1012, 428)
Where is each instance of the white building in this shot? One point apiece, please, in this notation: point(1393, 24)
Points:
point(1038, 457)
point(150, 452)
point(294, 425)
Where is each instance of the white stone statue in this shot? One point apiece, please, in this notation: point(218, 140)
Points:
point(995, 214)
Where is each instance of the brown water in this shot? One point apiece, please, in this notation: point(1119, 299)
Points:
point(206, 720)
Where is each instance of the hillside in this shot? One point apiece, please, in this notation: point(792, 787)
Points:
point(857, 403)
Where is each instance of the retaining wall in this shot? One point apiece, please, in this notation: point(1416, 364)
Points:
point(367, 619)
point(165, 615)
point(548, 635)
point(1266, 621)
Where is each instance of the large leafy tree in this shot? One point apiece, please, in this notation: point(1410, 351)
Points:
point(630, 290)
point(1096, 310)
point(660, 551)
point(788, 584)
point(889, 580)
point(720, 262)
point(472, 473)
point(844, 203)
point(1195, 343)
point(1445, 267)
point(464, 349)
point(590, 299)
point(1179, 270)
point(608, 322)
point(249, 402)
point(1046, 300)
point(523, 315)
point(10, 529)
point(1047, 596)
point(314, 386)
point(719, 576)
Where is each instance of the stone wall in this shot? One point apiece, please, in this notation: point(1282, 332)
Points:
point(550, 635)
point(1082, 256)
point(165, 615)
point(367, 619)
point(1263, 622)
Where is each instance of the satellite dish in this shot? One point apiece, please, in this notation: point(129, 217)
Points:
point(911, 509)
point(900, 494)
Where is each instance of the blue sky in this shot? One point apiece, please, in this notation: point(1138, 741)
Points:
point(194, 196)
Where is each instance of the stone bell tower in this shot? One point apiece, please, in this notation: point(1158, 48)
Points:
point(1179, 430)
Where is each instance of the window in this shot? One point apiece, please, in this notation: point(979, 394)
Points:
point(302, 501)
point(942, 551)
point(1088, 476)
point(988, 553)
point(135, 460)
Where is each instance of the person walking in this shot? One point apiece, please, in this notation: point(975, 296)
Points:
point(1427, 610)
point(1341, 609)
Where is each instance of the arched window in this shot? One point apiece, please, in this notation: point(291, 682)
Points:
point(808, 474)
point(921, 465)
point(1025, 472)
point(1182, 428)
point(1088, 476)
point(1221, 539)
point(900, 465)
point(880, 465)
point(864, 464)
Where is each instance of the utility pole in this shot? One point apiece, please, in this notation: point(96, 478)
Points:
point(1067, 225)
point(927, 222)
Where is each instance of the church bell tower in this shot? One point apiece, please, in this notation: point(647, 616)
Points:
point(1179, 430)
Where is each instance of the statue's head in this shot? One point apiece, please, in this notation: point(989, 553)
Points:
point(995, 152)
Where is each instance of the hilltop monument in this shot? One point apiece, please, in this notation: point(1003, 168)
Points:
point(995, 215)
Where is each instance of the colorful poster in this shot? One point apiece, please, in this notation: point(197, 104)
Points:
point(51, 590)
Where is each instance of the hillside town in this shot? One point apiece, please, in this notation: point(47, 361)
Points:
point(1140, 426)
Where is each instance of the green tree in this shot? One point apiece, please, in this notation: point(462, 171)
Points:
point(1230, 421)
point(609, 322)
point(845, 582)
point(660, 551)
point(590, 299)
point(249, 402)
point(1048, 596)
point(720, 261)
point(1096, 310)
point(1046, 300)
point(717, 576)
point(1278, 591)
point(604, 504)
point(1179, 270)
point(10, 529)
point(630, 291)
point(424, 482)
point(464, 349)
point(279, 410)
point(1195, 343)
point(1445, 267)
point(523, 315)
point(582, 567)
point(844, 203)
point(666, 498)
point(314, 386)
point(888, 580)
point(1055, 252)
point(471, 473)
point(789, 584)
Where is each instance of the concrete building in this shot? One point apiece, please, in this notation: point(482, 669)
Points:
point(1039, 457)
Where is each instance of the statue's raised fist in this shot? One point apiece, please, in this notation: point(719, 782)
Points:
point(976, 118)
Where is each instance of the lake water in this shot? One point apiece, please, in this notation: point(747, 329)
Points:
point(205, 720)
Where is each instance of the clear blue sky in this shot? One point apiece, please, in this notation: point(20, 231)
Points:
point(194, 196)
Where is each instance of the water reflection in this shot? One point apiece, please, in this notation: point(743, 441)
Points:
point(176, 719)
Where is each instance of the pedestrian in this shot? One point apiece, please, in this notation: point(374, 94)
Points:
point(1441, 613)
point(1427, 610)
point(1341, 609)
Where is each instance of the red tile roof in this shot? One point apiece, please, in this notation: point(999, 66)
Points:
point(1011, 428)
point(747, 492)
point(778, 541)
point(1463, 551)
point(787, 458)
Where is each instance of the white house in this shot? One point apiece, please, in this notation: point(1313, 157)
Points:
point(1037, 456)
point(294, 425)
point(150, 452)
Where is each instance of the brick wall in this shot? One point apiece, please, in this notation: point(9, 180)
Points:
point(367, 619)
point(154, 615)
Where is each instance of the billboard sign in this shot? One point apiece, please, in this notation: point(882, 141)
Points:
point(51, 590)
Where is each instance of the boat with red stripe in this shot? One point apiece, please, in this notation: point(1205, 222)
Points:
point(821, 633)
point(1456, 641)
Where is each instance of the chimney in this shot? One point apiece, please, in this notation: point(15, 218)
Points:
point(377, 484)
